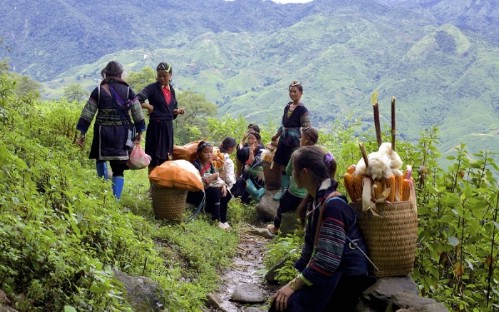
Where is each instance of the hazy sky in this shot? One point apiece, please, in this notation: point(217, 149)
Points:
point(292, 1)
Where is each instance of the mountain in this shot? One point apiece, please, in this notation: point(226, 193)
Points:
point(439, 58)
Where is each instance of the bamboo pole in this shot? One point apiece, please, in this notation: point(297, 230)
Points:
point(374, 102)
point(393, 123)
point(376, 123)
point(364, 154)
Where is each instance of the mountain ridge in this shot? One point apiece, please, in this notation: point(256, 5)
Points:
point(441, 72)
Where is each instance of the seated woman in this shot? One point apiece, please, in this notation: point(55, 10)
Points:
point(249, 153)
point(212, 184)
point(234, 186)
point(251, 128)
point(333, 264)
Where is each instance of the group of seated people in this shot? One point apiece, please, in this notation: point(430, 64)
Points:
point(219, 187)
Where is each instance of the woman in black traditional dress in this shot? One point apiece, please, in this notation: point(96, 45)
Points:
point(295, 118)
point(111, 104)
point(163, 109)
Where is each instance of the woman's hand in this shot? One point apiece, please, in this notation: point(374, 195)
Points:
point(224, 190)
point(281, 297)
point(138, 137)
point(81, 141)
point(213, 177)
point(179, 111)
point(147, 106)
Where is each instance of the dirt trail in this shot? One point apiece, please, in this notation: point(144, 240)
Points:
point(247, 268)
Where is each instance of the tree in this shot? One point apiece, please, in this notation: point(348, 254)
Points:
point(138, 80)
point(74, 92)
point(193, 125)
point(25, 87)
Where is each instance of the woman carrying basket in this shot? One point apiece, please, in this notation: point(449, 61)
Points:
point(333, 266)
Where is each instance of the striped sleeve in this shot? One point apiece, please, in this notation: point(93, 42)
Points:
point(88, 113)
point(329, 247)
point(329, 250)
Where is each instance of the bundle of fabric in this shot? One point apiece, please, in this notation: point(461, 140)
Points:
point(186, 152)
point(179, 174)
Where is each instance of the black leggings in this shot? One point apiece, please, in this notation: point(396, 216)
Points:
point(287, 203)
point(212, 202)
point(118, 167)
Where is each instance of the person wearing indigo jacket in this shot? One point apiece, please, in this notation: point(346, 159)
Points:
point(113, 101)
point(163, 109)
point(333, 263)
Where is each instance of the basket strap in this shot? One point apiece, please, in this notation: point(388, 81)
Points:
point(321, 211)
point(198, 209)
point(352, 243)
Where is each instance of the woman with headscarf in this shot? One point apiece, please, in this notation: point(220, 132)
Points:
point(112, 101)
point(163, 109)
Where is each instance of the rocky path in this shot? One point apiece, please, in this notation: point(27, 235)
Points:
point(244, 287)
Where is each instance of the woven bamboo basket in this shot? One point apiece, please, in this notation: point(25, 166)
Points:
point(390, 236)
point(272, 176)
point(168, 203)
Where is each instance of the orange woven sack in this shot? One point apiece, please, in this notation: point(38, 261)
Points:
point(186, 152)
point(179, 174)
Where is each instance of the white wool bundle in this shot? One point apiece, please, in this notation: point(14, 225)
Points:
point(360, 168)
point(379, 166)
point(395, 160)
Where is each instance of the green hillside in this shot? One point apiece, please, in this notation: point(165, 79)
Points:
point(440, 75)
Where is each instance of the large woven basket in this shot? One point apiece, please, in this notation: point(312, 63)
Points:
point(272, 176)
point(390, 236)
point(168, 203)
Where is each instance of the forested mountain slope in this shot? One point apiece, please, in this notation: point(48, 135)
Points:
point(439, 58)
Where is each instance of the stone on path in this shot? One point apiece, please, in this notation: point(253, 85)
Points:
point(215, 301)
point(263, 232)
point(267, 206)
point(253, 309)
point(249, 293)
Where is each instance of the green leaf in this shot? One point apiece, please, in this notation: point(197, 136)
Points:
point(68, 308)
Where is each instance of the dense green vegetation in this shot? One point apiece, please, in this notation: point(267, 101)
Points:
point(62, 233)
point(458, 209)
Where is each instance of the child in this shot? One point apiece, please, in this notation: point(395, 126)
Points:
point(212, 183)
point(293, 195)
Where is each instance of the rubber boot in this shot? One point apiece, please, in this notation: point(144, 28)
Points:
point(284, 186)
point(118, 183)
point(101, 167)
point(253, 191)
